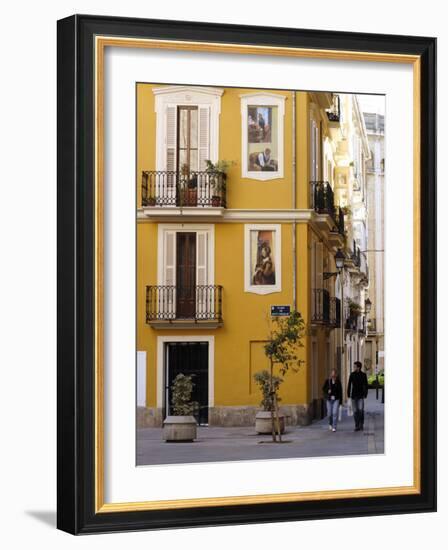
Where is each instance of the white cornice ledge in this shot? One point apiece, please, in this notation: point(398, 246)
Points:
point(185, 89)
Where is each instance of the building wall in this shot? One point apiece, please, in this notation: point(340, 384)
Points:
point(238, 343)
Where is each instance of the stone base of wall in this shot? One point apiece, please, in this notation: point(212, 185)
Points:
point(148, 417)
point(296, 415)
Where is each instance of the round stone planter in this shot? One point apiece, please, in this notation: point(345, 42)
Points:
point(263, 422)
point(179, 428)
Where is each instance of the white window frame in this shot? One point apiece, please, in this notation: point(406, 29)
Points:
point(263, 289)
point(161, 340)
point(185, 228)
point(173, 96)
point(268, 100)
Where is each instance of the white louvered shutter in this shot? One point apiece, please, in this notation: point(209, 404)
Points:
point(204, 136)
point(204, 295)
point(168, 293)
point(204, 191)
point(168, 187)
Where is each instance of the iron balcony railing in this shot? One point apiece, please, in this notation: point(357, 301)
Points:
point(326, 310)
point(335, 312)
point(171, 303)
point(320, 306)
point(334, 112)
point(322, 201)
point(172, 188)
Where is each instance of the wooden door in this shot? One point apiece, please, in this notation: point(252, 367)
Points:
point(186, 275)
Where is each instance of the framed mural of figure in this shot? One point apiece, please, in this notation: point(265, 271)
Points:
point(262, 135)
point(262, 258)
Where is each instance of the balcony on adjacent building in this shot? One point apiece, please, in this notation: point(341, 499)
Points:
point(335, 312)
point(171, 306)
point(325, 309)
point(189, 193)
point(322, 199)
point(334, 112)
point(357, 261)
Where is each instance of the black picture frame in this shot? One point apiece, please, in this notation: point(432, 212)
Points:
point(76, 255)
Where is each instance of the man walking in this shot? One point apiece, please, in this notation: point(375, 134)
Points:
point(357, 390)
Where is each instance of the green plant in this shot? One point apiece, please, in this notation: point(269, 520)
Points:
point(219, 166)
point(263, 379)
point(354, 308)
point(281, 349)
point(182, 388)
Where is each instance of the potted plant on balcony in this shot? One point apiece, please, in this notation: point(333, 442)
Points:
point(217, 173)
point(181, 426)
point(263, 418)
point(151, 201)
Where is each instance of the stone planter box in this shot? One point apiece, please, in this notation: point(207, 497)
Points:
point(263, 422)
point(179, 428)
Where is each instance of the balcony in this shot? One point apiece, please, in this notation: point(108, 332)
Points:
point(335, 312)
point(322, 202)
point(334, 112)
point(320, 306)
point(357, 262)
point(166, 193)
point(325, 310)
point(170, 306)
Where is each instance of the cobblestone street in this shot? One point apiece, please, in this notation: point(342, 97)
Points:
point(216, 444)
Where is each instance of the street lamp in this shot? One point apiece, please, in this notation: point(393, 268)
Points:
point(339, 258)
point(367, 306)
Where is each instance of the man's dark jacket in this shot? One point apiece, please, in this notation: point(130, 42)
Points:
point(357, 385)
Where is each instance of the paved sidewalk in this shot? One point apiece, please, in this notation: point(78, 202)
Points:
point(216, 444)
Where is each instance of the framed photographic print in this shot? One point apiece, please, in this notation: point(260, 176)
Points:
point(246, 260)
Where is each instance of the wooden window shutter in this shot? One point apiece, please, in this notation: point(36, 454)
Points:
point(201, 258)
point(171, 123)
point(167, 295)
point(204, 136)
point(170, 258)
point(204, 295)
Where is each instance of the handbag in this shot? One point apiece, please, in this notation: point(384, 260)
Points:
point(349, 407)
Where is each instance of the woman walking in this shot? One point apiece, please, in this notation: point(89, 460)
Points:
point(333, 394)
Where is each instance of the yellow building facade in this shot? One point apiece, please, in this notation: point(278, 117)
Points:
point(223, 247)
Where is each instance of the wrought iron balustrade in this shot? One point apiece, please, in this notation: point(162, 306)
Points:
point(322, 198)
point(173, 188)
point(171, 303)
point(335, 312)
point(320, 306)
point(334, 112)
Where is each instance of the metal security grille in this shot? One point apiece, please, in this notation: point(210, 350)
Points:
point(188, 358)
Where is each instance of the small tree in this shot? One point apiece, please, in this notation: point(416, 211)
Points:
point(182, 388)
point(263, 379)
point(281, 349)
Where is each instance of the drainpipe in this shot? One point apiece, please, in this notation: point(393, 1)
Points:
point(294, 224)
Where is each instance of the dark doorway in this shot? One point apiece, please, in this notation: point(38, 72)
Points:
point(189, 358)
point(186, 275)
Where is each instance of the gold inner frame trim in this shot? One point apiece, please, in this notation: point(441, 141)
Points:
point(101, 42)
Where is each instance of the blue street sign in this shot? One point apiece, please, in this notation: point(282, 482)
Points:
point(280, 311)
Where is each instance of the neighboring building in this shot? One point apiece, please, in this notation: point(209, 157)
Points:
point(375, 193)
point(215, 253)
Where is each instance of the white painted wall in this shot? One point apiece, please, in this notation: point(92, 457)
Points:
point(141, 379)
